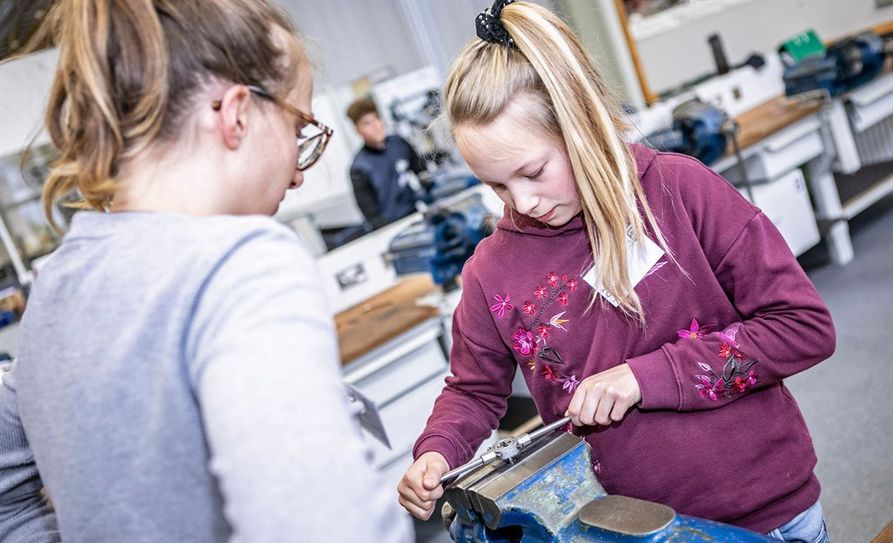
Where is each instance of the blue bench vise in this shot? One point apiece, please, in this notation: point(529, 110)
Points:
point(549, 492)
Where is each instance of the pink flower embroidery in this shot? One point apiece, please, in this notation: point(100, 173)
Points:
point(695, 331)
point(726, 351)
point(549, 374)
point(729, 334)
point(562, 298)
point(502, 305)
point(523, 341)
point(528, 308)
point(540, 292)
point(743, 381)
point(552, 279)
point(570, 384)
point(543, 331)
point(708, 388)
point(572, 285)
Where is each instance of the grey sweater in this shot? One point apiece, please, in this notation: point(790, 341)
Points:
point(25, 515)
point(178, 382)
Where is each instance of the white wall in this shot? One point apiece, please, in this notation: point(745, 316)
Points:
point(349, 39)
point(681, 54)
point(353, 38)
point(598, 25)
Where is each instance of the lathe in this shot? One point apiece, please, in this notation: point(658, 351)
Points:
point(541, 487)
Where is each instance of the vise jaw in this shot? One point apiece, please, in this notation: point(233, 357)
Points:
point(550, 493)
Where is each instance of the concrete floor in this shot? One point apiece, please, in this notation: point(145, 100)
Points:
point(847, 400)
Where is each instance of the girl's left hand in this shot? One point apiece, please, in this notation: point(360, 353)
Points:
point(605, 397)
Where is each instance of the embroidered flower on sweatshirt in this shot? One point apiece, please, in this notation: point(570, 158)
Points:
point(549, 374)
point(735, 377)
point(743, 381)
point(543, 331)
point(695, 330)
point(540, 292)
point(569, 384)
point(709, 388)
point(524, 342)
point(528, 308)
point(730, 333)
point(502, 305)
point(725, 351)
point(552, 279)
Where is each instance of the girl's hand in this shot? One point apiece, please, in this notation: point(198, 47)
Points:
point(420, 487)
point(605, 397)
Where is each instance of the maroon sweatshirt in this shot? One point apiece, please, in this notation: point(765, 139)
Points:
point(717, 434)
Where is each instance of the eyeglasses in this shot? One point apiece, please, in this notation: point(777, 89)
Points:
point(311, 140)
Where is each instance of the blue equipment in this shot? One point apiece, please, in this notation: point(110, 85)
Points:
point(843, 67)
point(443, 241)
point(698, 130)
point(547, 491)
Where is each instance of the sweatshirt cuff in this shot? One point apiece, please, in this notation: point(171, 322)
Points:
point(658, 382)
point(439, 444)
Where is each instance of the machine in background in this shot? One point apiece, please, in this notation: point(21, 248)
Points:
point(443, 240)
point(841, 67)
point(698, 130)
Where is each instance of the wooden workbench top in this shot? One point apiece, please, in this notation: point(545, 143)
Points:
point(383, 317)
point(770, 117)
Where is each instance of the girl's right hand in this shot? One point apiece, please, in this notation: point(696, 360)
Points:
point(420, 487)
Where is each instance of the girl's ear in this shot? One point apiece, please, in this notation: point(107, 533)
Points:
point(232, 117)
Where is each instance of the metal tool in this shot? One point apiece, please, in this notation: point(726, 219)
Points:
point(368, 415)
point(549, 493)
point(505, 449)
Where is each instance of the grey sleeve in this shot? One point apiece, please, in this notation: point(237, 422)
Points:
point(289, 457)
point(25, 515)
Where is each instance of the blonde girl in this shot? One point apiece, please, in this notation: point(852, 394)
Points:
point(636, 291)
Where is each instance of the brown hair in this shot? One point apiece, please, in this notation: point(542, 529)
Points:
point(129, 70)
point(361, 107)
point(570, 102)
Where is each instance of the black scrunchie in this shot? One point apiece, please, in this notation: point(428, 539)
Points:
point(488, 26)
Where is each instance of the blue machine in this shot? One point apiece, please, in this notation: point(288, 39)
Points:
point(548, 492)
point(844, 66)
point(443, 241)
point(698, 130)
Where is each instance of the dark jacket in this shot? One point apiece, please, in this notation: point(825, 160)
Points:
point(379, 180)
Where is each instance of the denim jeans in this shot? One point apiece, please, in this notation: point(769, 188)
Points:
point(807, 527)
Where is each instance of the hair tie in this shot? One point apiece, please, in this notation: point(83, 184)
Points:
point(489, 28)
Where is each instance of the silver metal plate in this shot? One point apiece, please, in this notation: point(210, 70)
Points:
point(625, 515)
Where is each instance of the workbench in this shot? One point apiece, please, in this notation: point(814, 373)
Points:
point(391, 351)
point(775, 139)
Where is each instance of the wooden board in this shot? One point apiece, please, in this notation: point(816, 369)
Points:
point(383, 317)
point(770, 117)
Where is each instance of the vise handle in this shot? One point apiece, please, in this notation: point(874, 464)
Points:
point(505, 449)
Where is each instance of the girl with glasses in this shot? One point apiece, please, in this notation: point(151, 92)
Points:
point(178, 372)
point(637, 292)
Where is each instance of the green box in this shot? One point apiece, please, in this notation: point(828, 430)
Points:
point(804, 45)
